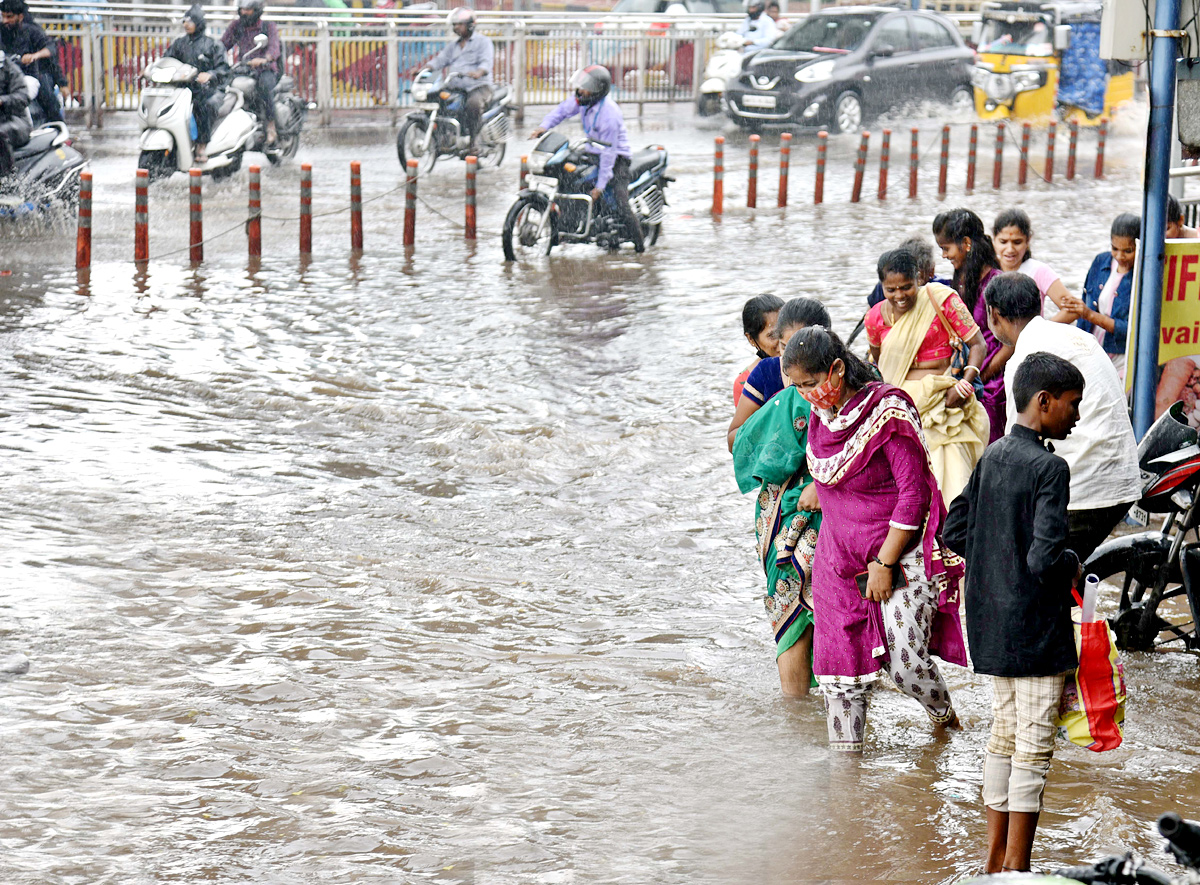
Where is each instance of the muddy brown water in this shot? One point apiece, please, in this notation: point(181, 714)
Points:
point(432, 568)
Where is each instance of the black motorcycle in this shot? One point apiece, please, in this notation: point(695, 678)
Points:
point(45, 174)
point(1183, 842)
point(437, 127)
point(1159, 565)
point(290, 113)
point(557, 206)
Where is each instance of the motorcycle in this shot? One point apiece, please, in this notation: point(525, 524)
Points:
point(557, 206)
point(46, 170)
point(169, 125)
point(1183, 842)
point(435, 129)
point(1159, 565)
point(726, 62)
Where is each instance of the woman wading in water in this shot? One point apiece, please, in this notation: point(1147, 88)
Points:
point(913, 335)
point(882, 512)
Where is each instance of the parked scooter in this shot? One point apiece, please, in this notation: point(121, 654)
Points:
point(1159, 565)
point(435, 128)
point(46, 171)
point(726, 62)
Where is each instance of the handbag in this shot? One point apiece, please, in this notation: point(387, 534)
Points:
point(962, 351)
point(1092, 708)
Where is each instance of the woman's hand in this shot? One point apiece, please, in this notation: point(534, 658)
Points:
point(808, 498)
point(959, 395)
point(1076, 306)
point(879, 582)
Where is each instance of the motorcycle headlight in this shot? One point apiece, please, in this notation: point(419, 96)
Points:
point(420, 92)
point(815, 73)
point(537, 163)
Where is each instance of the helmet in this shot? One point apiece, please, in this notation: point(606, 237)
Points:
point(255, 7)
point(755, 8)
point(464, 15)
point(595, 80)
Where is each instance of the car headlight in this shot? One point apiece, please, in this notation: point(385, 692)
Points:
point(1024, 81)
point(815, 73)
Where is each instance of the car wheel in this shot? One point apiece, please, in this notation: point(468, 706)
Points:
point(963, 100)
point(847, 113)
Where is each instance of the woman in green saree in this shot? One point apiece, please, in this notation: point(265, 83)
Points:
point(769, 456)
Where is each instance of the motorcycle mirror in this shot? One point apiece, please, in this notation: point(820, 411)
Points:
point(260, 41)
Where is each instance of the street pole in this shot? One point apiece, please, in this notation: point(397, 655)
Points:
point(1164, 50)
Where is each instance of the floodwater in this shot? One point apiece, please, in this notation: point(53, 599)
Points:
point(406, 568)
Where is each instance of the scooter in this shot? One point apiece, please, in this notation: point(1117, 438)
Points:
point(46, 170)
point(723, 64)
point(435, 128)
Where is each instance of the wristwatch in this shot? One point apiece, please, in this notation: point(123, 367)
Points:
point(882, 563)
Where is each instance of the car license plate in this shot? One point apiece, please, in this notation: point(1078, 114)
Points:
point(1138, 516)
point(758, 101)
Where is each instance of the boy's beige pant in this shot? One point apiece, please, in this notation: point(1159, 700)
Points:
point(1022, 741)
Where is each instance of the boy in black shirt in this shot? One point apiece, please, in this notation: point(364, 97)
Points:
point(1010, 523)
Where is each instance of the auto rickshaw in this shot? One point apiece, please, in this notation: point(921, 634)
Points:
point(1036, 61)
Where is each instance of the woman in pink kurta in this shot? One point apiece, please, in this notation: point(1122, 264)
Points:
point(881, 515)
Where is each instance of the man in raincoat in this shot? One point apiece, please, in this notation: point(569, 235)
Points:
point(205, 54)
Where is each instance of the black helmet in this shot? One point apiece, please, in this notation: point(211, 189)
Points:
point(464, 15)
point(595, 80)
point(255, 7)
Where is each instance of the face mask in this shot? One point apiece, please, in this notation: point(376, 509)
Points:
point(825, 395)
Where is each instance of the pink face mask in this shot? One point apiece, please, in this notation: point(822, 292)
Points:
point(825, 395)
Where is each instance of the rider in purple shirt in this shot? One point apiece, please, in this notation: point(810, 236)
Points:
point(241, 32)
point(602, 122)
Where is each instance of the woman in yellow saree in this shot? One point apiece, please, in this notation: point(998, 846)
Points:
point(914, 334)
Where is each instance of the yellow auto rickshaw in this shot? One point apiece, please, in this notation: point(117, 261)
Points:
point(1040, 61)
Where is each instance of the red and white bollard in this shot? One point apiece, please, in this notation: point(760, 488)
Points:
point(819, 187)
point(83, 233)
point(944, 162)
point(885, 156)
point(1051, 136)
point(356, 225)
point(1072, 143)
point(860, 165)
point(410, 205)
point(141, 216)
point(306, 209)
point(998, 162)
point(914, 157)
point(785, 159)
point(523, 182)
point(469, 223)
point(195, 217)
point(1100, 147)
point(752, 184)
point(718, 203)
point(254, 226)
point(1023, 165)
point(972, 152)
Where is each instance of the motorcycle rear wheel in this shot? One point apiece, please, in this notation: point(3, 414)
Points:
point(519, 235)
point(410, 144)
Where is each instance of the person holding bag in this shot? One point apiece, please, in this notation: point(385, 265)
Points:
point(918, 336)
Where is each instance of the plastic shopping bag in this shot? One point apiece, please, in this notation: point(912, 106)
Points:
point(1092, 709)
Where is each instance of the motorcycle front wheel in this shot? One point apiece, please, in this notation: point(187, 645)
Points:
point(410, 144)
point(1139, 626)
point(520, 235)
point(158, 163)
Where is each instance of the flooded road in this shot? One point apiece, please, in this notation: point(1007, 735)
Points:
point(396, 569)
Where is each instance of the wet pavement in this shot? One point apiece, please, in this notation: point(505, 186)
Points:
point(420, 567)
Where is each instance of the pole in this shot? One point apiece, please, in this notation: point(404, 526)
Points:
point(356, 228)
point(819, 189)
point(914, 157)
point(1050, 137)
point(306, 209)
point(1164, 50)
point(752, 185)
point(998, 162)
point(944, 162)
point(254, 226)
point(141, 216)
point(83, 233)
point(1023, 166)
point(469, 226)
point(523, 182)
point(885, 156)
point(195, 217)
point(785, 159)
point(860, 164)
point(1100, 147)
point(1072, 142)
point(410, 205)
point(972, 151)
point(718, 203)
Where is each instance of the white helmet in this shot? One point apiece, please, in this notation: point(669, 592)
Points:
point(464, 15)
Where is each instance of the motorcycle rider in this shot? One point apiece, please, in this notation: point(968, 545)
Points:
point(205, 54)
point(265, 63)
point(468, 63)
point(758, 29)
point(603, 122)
point(14, 116)
point(28, 45)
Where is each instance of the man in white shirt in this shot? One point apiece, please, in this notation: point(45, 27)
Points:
point(757, 29)
point(1101, 451)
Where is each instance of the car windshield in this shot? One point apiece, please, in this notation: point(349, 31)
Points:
point(1016, 37)
point(827, 33)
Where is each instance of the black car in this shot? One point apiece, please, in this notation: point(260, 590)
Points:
point(835, 68)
